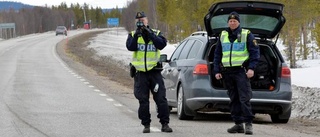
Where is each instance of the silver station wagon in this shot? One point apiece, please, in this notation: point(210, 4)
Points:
point(191, 86)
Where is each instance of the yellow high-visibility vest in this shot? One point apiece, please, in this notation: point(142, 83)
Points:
point(234, 54)
point(147, 55)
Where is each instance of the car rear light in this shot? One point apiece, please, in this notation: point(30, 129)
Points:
point(285, 72)
point(201, 69)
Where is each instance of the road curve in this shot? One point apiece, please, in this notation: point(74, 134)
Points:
point(41, 96)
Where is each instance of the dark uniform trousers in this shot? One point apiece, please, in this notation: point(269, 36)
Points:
point(240, 93)
point(144, 83)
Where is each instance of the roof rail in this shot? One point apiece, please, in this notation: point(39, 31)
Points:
point(203, 33)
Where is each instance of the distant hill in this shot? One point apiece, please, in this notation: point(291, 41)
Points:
point(6, 5)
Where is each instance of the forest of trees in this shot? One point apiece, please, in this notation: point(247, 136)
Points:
point(177, 19)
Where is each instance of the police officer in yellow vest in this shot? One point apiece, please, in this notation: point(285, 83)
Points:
point(146, 44)
point(236, 56)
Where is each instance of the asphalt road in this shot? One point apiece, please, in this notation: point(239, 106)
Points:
point(40, 96)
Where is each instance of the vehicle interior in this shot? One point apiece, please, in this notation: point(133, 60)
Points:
point(266, 72)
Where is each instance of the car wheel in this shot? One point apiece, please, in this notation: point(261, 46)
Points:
point(169, 108)
point(181, 106)
point(284, 118)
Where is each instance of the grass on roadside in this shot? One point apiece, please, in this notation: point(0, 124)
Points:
point(104, 66)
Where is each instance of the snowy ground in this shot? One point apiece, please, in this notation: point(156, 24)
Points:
point(113, 44)
point(305, 80)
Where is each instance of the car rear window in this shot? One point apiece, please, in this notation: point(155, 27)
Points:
point(247, 21)
point(60, 27)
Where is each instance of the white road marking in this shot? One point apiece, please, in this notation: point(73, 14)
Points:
point(103, 95)
point(118, 105)
point(130, 111)
point(154, 129)
point(91, 86)
point(110, 99)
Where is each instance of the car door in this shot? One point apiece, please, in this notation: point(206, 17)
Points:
point(166, 72)
point(174, 68)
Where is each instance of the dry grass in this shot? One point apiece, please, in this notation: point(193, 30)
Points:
point(104, 66)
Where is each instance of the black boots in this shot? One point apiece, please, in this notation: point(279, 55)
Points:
point(166, 128)
point(248, 129)
point(146, 129)
point(238, 128)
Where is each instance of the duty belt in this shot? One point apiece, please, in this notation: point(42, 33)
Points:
point(232, 68)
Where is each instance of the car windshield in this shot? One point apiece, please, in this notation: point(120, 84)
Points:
point(259, 22)
point(60, 27)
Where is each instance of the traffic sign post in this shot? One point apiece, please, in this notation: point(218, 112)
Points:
point(113, 22)
point(7, 30)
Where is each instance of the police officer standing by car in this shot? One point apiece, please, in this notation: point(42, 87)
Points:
point(146, 44)
point(236, 56)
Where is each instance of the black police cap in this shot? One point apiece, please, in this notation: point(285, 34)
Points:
point(234, 15)
point(140, 15)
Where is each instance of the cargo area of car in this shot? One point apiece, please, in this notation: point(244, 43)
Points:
point(266, 72)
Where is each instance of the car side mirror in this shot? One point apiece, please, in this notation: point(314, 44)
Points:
point(163, 58)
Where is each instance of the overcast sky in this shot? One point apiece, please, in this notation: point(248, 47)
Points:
point(95, 3)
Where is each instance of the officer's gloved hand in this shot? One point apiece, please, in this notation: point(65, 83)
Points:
point(138, 32)
point(133, 70)
point(149, 31)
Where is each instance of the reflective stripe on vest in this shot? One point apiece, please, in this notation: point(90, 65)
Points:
point(234, 54)
point(147, 56)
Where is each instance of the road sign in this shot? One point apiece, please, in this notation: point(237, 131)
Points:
point(7, 25)
point(113, 21)
point(7, 30)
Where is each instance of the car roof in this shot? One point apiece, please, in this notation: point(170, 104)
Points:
point(263, 19)
point(200, 35)
point(204, 33)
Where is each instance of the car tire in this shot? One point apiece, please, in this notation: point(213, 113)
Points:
point(170, 108)
point(181, 106)
point(283, 118)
